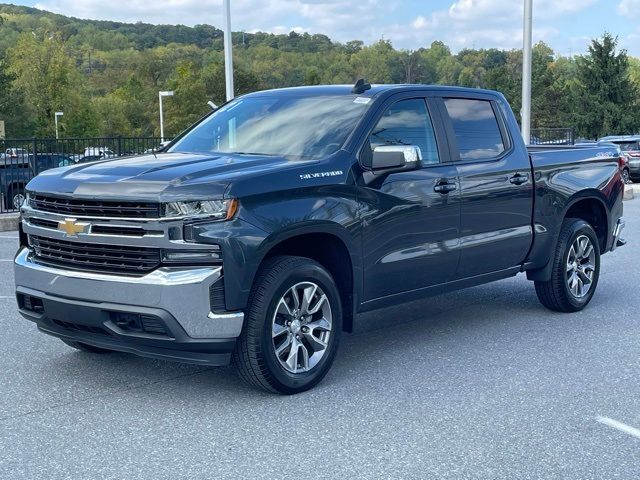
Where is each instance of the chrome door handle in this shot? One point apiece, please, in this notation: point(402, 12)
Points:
point(445, 187)
point(519, 178)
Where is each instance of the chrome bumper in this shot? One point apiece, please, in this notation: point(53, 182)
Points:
point(181, 292)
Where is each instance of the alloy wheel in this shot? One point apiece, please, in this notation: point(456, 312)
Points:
point(581, 266)
point(301, 327)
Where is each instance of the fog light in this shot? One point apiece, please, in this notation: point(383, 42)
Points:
point(191, 256)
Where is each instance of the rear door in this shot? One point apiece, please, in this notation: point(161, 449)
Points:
point(410, 220)
point(496, 186)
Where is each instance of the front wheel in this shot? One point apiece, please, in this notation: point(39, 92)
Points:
point(576, 269)
point(292, 326)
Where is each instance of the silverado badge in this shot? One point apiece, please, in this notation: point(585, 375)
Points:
point(71, 227)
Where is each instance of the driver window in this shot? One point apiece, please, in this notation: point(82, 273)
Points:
point(407, 122)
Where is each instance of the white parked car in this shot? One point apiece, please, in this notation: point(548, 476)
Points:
point(101, 152)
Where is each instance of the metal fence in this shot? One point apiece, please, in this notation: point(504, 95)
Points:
point(23, 159)
point(552, 136)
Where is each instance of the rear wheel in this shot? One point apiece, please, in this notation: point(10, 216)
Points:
point(576, 269)
point(626, 176)
point(292, 326)
point(85, 348)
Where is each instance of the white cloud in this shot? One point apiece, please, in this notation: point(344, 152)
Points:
point(629, 8)
point(464, 23)
point(484, 23)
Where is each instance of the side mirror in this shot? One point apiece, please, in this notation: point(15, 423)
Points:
point(396, 158)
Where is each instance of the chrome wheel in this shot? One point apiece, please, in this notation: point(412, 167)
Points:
point(301, 327)
point(626, 177)
point(581, 266)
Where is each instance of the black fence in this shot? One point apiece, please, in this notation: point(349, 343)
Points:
point(23, 159)
point(552, 136)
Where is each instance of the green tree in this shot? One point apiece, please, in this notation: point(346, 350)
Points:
point(604, 97)
point(375, 63)
point(17, 120)
point(46, 77)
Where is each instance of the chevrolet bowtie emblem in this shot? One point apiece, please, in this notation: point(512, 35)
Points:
point(71, 227)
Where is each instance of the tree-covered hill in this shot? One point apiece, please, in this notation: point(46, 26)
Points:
point(106, 75)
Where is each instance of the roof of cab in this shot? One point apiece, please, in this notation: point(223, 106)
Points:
point(375, 90)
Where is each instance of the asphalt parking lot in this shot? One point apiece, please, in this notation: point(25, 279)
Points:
point(482, 383)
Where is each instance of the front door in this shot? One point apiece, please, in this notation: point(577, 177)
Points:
point(411, 220)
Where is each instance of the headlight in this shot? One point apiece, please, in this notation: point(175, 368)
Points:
point(214, 209)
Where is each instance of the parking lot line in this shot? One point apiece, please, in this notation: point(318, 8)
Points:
point(634, 432)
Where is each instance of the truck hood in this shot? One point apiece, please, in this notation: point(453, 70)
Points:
point(163, 177)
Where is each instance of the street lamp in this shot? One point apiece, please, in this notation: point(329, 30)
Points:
point(228, 49)
point(56, 116)
point(526, 71)
point(160, 96)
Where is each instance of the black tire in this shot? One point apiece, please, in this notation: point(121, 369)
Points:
point(555, 293)
point(255, 354)
point(83, 347)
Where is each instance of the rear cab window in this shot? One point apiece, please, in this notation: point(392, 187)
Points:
point(476, 128)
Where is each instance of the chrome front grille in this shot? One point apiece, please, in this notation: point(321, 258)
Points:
point(107, 258)
point(94, 208)
point(106, 237)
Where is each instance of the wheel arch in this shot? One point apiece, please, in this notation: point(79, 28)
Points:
point(588, 205)
point(330, 245)
point(592, 209)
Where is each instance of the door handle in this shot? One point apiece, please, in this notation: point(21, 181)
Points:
point(445, 187)
point(519, 178)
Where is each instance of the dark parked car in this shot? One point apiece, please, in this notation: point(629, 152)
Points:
point(263, 230)
point(16, 171)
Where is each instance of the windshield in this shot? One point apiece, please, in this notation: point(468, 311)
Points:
point(287, 126)
point(628, 146)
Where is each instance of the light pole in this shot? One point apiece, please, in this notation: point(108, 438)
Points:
point(228, 49)
point(56, 116)
point(161, 95)
point(526, 71)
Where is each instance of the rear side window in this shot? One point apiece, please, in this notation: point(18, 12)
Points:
point(407, 122)
point(476, 128)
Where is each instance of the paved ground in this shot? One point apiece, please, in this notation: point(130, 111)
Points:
point(481, 384)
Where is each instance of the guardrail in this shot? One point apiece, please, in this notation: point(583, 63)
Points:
point(21, 159)
point(552, 136)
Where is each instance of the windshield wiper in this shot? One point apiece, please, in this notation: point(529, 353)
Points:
point(255, 154)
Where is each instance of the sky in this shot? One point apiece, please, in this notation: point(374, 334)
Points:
point(566, 25)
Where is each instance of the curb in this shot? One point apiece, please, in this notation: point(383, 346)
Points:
point(631, 191)
point(9, 222)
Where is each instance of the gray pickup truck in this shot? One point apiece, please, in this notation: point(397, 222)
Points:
point(261, 232)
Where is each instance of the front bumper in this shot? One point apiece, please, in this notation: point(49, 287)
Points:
point(95, 308)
